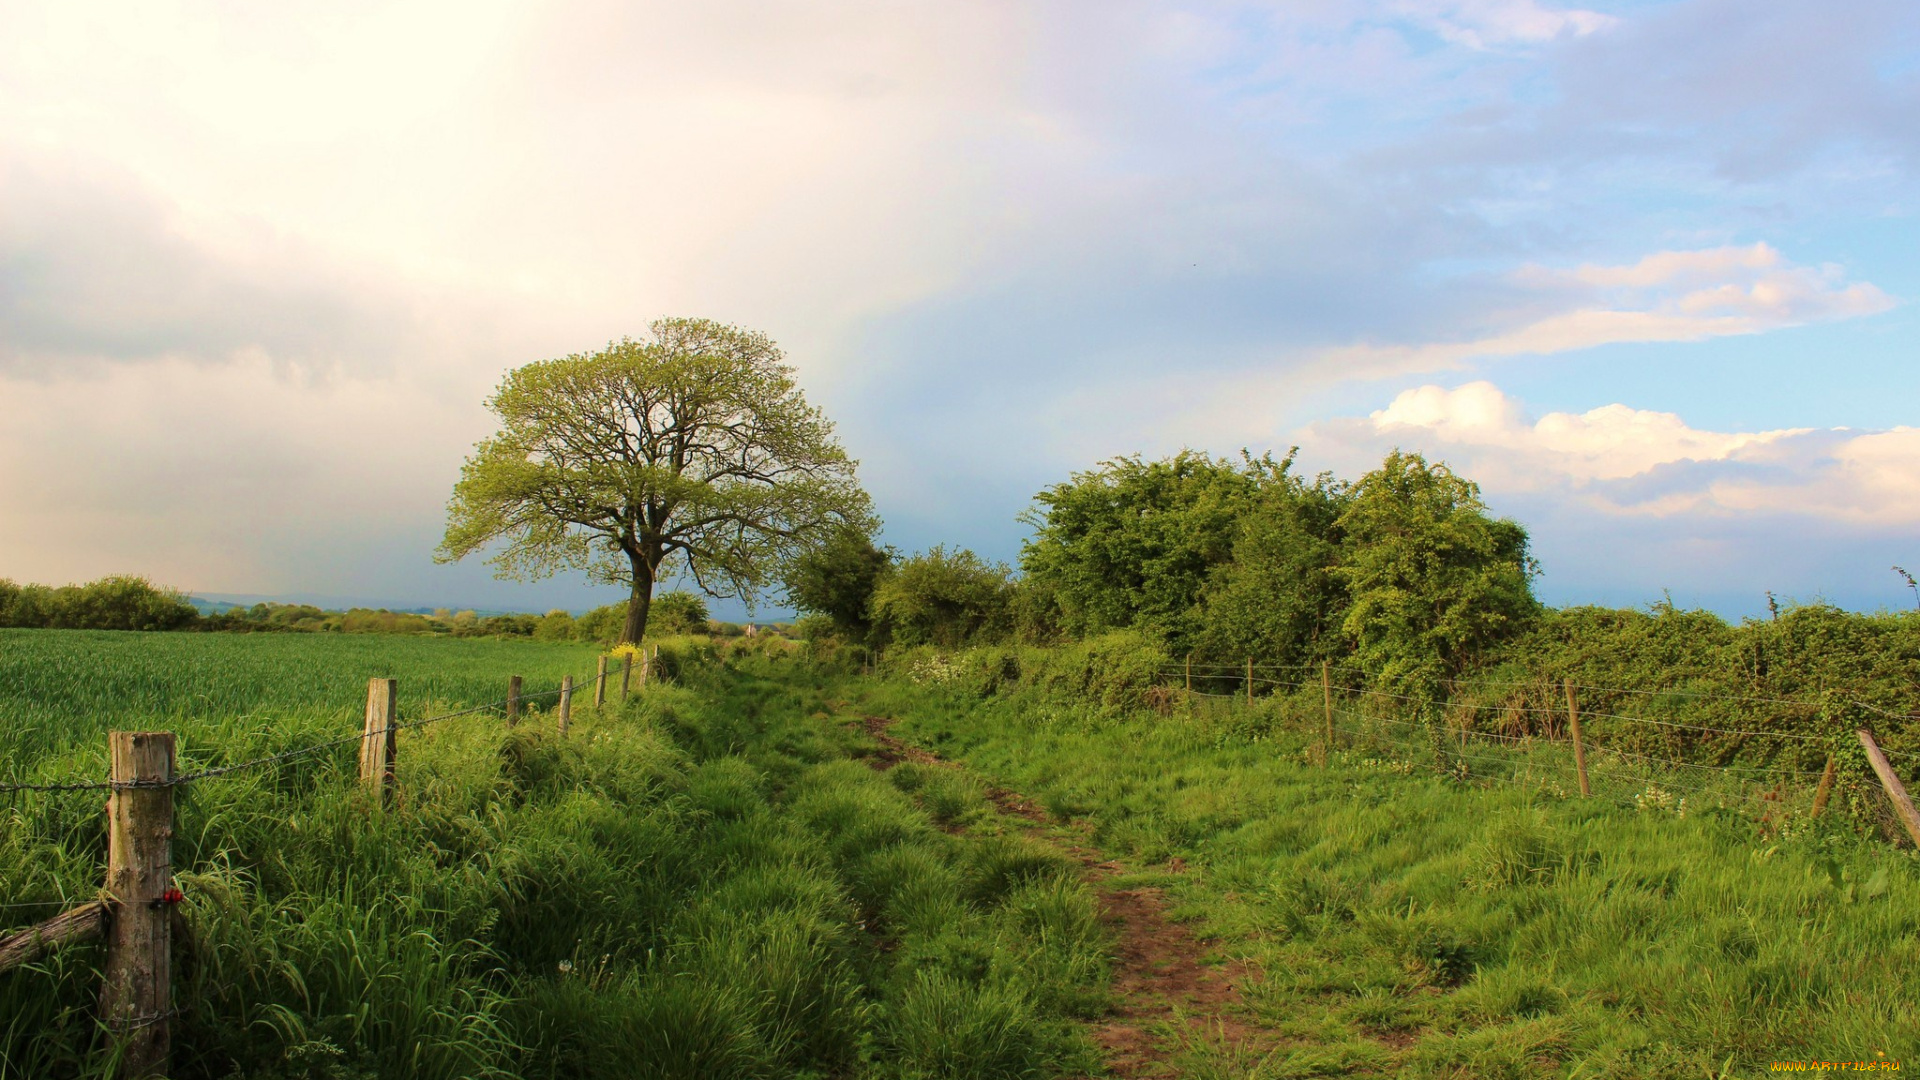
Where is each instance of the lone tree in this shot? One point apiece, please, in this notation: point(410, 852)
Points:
point(692, 451)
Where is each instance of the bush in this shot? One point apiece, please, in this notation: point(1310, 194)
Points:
point(121, 602)
point(557, 626)
point(677, 612)
point(950, 600)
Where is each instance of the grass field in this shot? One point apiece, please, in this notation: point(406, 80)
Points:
point(1398, 922)
point(706, 882)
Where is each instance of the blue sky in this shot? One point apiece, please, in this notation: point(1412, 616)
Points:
point(1644, 270)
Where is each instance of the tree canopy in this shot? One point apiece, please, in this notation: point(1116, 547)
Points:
point(691, 452)
point(1432, 578)
point(837, 577)
point(1133, 542)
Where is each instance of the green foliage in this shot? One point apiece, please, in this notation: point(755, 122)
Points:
point(944, 599)
point(1405, 570)
point(691, 452)
point(1409, 924)
point(1277, 598)
point(1134, 542)
point(837, 579)
point(1432, 580)
point(602, 624)
point(678, 612)
point(700, 884)
point(112, 603)
point(557, 625)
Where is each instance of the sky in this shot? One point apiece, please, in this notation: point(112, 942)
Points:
point(1645, 270)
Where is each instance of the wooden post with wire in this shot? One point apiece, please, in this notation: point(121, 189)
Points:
point(1579, 747)
point(136, 1002)
point(646, 663)
point(566, 703)
point(513, 700)
point(379, 739)
point(1825, 791)
point(1249, 682)
point(1326, 698)
point(1896, 791)
point(1189, 674)
point(600, 683)
point(626, 677)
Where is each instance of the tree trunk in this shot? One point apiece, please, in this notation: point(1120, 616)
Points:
point(637, 603)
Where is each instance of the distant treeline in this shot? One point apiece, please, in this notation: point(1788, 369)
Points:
point(125, 602)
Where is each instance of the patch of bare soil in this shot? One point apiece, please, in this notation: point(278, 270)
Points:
point(1159, 984)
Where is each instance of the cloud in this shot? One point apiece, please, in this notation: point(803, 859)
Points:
point(1666, 296)
point(1483, 24)
point(1620, 460)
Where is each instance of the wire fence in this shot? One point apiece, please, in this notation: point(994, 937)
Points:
point(491, 707)
point(1528, 741)
point(500, 706)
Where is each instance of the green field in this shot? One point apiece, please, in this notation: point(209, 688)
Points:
point(717, 880)
point(1486, 924)
point(61, 691)
point(705, 882)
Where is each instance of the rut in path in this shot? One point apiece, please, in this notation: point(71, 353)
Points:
point(1158, 984)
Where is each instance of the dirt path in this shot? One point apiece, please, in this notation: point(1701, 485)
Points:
point(1159, 985)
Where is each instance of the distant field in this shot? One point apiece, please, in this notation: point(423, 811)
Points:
point(62, 690)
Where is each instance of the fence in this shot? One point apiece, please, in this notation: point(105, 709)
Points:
point(1342, 704)
point(136, 909)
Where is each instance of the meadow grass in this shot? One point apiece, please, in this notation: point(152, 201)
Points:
point(707, 881)
point(1483, 923)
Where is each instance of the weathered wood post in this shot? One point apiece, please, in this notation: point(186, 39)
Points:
point(513, 699)
point(626, 677)
point(136, 1001)
point(1249, 682)
point(1189, 674)
point(1896, 791)
point(646, 663)
point(566, 703)
point(1579, 747)
point(1326, 699)
point(600, 683)
point(379, 740)
point(1825, 791)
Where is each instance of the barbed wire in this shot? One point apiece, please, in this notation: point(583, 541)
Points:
point(268, 759)
point(1548, 683)
point(1538, 710)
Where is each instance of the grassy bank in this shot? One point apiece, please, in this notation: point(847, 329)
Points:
point(1492, 925)
point(707, 882)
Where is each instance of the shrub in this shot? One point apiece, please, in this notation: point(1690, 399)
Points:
point(948, 599)
point(676, 612)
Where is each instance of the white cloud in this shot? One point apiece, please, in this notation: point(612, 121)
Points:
point(1625, 461)
point(1666, 296)
point(1482, 24)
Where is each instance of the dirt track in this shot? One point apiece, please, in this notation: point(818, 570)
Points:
point(1159, 985)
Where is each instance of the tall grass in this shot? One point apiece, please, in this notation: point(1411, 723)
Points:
point(1485, 923)
point(702, 883)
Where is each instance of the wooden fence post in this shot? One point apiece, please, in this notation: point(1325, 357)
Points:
point(1189, 673)
point(1825, 790)
point(1896, 791)
point(1249, 682)
point(137, 999)
point(513, 699)
point(626, 677)
point(1579, 747)
point(600, 683)
point(566, 703)
point(1326, 697)
point(379, 740)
